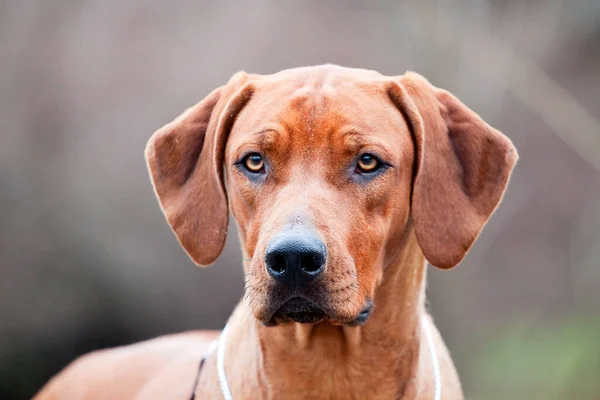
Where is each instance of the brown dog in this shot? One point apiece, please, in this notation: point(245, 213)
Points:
point(343, 182)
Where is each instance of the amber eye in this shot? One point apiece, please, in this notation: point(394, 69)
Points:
point(254, 162)
point(368, 163)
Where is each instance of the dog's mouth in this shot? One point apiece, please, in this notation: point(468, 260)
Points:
point(303, 311)
point(297, 310)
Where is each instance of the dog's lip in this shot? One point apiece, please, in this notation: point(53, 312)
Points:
point(298, 309)
point(301, 310)
point(363, 315)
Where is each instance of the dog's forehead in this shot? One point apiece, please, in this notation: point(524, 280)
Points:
point(319, 101)
point(311, 86)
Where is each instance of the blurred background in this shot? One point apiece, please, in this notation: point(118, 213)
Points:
point(87, 260)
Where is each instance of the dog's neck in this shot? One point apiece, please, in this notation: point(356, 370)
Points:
point(379, 359)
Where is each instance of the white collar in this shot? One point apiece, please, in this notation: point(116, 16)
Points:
point(222, 342)
point(435, 363)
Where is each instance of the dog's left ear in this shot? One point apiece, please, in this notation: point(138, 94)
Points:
point(462, 167)
point(185, 160)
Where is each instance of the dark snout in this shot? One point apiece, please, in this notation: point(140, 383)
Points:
point(300, 290)
point(295, 257)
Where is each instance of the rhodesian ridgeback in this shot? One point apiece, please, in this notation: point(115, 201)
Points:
point(343, 182)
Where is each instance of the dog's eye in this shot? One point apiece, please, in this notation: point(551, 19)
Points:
point(254, 162)
point(368, 163)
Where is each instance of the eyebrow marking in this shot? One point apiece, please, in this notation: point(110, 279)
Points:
point(263, 132)
point(353, 137)
point(265, 137)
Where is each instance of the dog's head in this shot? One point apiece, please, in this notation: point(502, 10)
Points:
point(327, 170)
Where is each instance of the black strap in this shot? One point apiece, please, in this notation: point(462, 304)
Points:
point(193, 396)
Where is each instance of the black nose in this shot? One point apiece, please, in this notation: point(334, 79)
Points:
point(295, 257)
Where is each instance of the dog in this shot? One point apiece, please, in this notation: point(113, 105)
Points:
point(343, 183)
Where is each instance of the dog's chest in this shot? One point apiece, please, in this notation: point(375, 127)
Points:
point(335, 379)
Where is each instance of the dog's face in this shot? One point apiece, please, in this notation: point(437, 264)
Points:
point(319, 172)
point(327, 171)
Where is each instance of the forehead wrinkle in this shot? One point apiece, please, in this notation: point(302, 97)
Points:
point(293, 129)
point(352, 141)
point(269, 137)
point(356, 138)
point(302, 119)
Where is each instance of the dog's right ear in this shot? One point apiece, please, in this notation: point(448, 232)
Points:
point(462, 168)
point(185, 160)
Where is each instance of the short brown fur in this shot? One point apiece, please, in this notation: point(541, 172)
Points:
point(447, 173)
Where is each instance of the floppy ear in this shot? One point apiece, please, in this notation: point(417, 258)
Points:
point(185, 160)
point(462, 167)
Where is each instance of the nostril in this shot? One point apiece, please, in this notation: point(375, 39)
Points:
point(312, 263)
point(277, 263)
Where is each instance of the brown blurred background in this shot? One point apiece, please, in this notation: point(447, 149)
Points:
point(87, 260)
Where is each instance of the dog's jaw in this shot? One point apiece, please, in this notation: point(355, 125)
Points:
point(387, 340)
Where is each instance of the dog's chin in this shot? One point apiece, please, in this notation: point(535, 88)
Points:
point(303, 311)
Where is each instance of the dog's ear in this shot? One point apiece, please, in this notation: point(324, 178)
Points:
point(185, 160)
point(462, 167)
